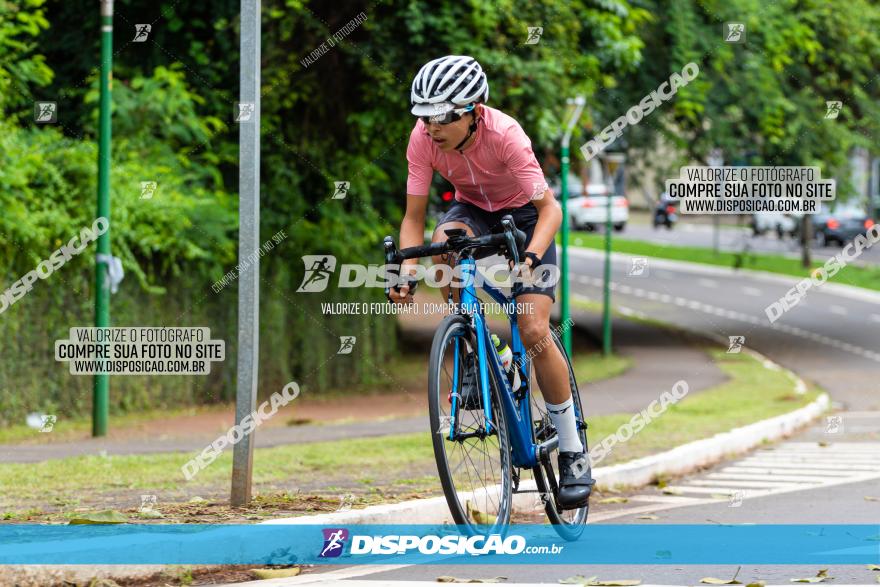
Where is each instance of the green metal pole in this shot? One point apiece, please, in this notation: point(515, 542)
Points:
point(101, 395)
point(565, 309)
point(606, 306)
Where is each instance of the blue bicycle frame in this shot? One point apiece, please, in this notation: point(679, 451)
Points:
point(519, 429)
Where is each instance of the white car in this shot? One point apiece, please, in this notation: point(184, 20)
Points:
point(778, 222)
point(591, 210)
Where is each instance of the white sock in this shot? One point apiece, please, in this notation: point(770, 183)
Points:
point(562, 417)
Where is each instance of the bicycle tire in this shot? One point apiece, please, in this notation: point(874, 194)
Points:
point(566, 529)
point(450, 327)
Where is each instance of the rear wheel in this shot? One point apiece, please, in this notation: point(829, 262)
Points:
point(474, 467)
point(569, 524)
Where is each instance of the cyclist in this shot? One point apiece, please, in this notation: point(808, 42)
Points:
point(487, 156)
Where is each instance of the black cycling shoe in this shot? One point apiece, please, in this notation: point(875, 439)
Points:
point(575, 480)
point(470, 391)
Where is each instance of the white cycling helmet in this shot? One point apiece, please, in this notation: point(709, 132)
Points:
point(454, 80)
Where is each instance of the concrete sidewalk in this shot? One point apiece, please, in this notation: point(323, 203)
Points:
point(660, 358)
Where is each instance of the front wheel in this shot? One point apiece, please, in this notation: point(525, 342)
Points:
point(569, 524)
point(474, 466)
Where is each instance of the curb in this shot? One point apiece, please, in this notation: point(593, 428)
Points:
point(679, 460)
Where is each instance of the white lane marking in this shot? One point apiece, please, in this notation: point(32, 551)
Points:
point(346, 573)
point(760, 477)
point(747, 484)
point(874, 317)
point(839, 310)
point(752, 291)
point(771, 472)
point(710, 490)
point(706, 282)
point(754, 320)
point(770, 464)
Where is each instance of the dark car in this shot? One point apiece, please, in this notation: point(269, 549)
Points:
point(841, 224)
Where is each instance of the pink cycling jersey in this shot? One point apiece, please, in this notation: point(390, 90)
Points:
point(498, 170)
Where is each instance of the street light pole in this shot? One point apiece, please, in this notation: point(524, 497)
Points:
point(101, 391)
point(565, 310)
point(612, 163)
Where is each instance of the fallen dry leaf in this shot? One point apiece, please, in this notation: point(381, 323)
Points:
point(614, 500)
point(871, 498)
point(672, 491)
point(873, 567)
point(274, 573)
point(648, 517)
point(714, 581)
point(819, 578)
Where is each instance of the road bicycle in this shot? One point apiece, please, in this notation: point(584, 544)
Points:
point(483, 449)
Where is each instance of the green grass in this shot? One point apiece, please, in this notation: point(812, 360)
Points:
point(867, 277)
point(752, 393)
point(592, 367)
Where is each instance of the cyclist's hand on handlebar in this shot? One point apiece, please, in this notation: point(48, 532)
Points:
point(400, 295)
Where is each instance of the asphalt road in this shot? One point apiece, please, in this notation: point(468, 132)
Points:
point(830, 339)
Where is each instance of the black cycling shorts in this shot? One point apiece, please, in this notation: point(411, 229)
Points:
point(482, 222)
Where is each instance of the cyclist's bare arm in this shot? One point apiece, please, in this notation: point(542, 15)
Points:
point(549, 221)
point(412, 234)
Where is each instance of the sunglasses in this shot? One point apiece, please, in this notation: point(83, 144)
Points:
point(447, 117)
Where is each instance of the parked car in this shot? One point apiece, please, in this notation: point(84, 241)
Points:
point(591, 210)
point(780, 223)
point(841, 224)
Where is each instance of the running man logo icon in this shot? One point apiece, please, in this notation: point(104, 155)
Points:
point(736, 499)
point(45, 112)
point(341, 190)
point(735, 32)
point(318, 271)
point(736, 343)
point(638, 267)
point(148, 188)
point(245, 111)
point(334, 542)
point(345, 502)
point(48, 422)
point(141, 32)
point(346, 345)
point(832, 108)
point(834, 424)
point(535, 33)
point(148, 503)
